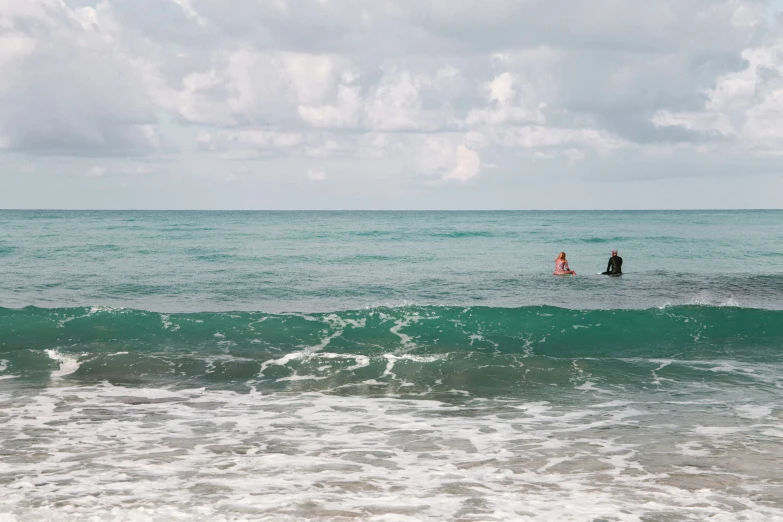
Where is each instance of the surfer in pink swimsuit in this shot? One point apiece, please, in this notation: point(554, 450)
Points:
point(561, 266)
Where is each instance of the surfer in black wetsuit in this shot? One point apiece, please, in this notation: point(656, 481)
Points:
point(615, 266)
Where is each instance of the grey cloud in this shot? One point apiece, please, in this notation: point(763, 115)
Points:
point(638, 128)
point(68, 91)
point(466, 26)
point(296, 25)
point(163, 22)
point(619, 62)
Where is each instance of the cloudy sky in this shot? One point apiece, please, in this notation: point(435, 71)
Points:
point(398, 104)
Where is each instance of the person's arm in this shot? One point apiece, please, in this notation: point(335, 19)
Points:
point(609, 266)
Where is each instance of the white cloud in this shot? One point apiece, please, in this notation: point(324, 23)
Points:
point(501, 89)
point(744, 108)
point(251, 87)
point(316, 175)
point(96, 172)
point(395, 103)
point(439, 157)
point(522, 92)
point(138, 170)
point(250, 143)
point(435, 156)
point(344, 114)
point(541, 137)
point(114, 167)
point(467, 164)
point(187, 8)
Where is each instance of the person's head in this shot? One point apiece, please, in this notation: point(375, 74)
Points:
point(614, 251)
point(561, 256)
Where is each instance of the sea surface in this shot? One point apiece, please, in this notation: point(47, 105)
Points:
point(390, 366)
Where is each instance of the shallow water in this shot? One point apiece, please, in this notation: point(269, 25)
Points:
point(390, 366)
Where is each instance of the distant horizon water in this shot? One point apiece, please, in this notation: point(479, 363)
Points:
point(132, 209)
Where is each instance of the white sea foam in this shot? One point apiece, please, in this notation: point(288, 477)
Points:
point(718, 431)
point(591, 386)
point(693, 449)
point(297, 377)
point(612, 404)
point(68, 363)
point(218, 455)
point(167, 324)
point(701, 300)
point(391, 359)
point(405, 340)
point(656, 379)
point(754, 411)
point(361, 361)
point(303, 354)
point(92, 311)
point(4, 367)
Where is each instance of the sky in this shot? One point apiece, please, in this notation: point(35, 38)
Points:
point(391, 104)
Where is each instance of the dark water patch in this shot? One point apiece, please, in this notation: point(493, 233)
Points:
point(101, 247)
point(188, 227)
point(140, 289)
point(379, 233)
point(595, 239)
point(37, 215)
point(368, 258)
point(215, 257)
point(462, 234)
point(126, 227)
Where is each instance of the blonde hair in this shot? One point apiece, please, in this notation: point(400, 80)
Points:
point(561, 256)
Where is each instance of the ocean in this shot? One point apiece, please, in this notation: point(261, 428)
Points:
point(390, 366)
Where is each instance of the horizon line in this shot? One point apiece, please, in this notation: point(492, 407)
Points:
point(55, 209)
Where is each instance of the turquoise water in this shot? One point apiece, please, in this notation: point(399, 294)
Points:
point(390, 366)
point(326, 261)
